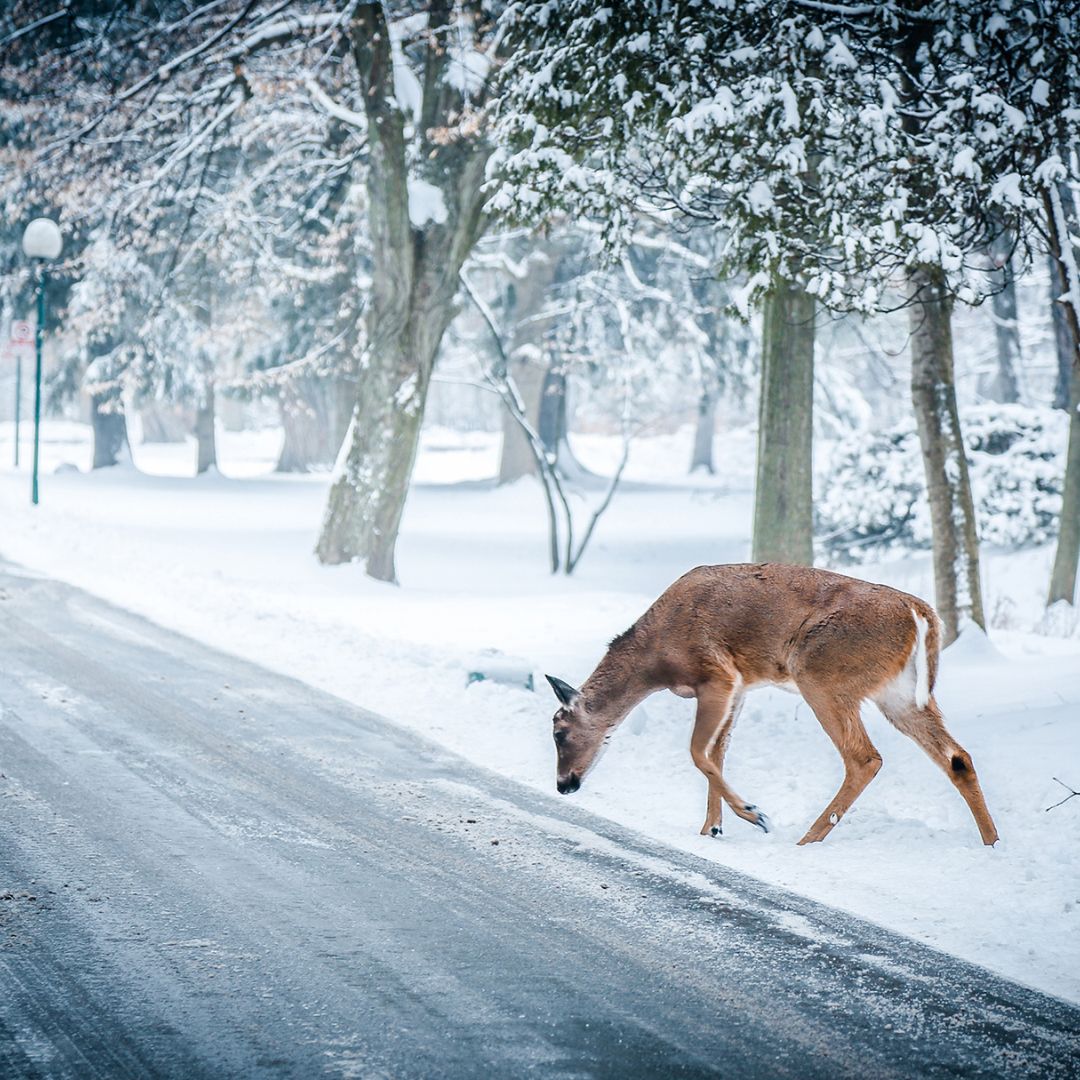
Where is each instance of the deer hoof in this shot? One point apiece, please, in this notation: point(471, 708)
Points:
point(716, 830)
point(760, 819)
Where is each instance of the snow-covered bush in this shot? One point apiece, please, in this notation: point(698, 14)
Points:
point(871, 497)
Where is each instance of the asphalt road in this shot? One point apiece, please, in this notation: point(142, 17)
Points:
point(210, 870)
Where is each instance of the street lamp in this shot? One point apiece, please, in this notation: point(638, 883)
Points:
point(41, 241)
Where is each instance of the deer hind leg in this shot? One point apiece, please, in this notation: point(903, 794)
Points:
point(718, 705)
point(926, 727)
point(843, 724)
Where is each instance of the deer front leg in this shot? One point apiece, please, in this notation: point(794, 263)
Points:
point(718, 706)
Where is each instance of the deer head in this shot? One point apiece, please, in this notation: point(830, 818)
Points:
point(578, 737)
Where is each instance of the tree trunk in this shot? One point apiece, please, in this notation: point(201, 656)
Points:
point(206, 442)
point(553, 426)
point(110, 429)
point(162, 423)
point(1004, 384)
point(415, 279)
point(952, 513)
point(552, 420)
point(1062, 337)
point(368, 497)
point(524, 301)
point(783, 498)
point(516, 459)
point(1059, 286)
point(702, 456)
point(1063, 575)
point(315, 415)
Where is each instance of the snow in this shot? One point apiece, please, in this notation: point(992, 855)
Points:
point(227, 559)
point(839, 55)
point(408, 93)
point(425, 203)
point(1006, 191)
point(790, 105)
point(338, 111)
point(964, 163)
point(760, 198)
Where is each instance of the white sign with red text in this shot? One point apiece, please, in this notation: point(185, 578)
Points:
point(20, 339)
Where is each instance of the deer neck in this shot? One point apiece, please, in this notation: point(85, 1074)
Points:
point(616, 686)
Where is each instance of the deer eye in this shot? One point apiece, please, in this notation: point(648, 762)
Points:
point(560, 738)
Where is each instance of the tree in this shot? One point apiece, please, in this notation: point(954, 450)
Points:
point(722, 358)
point(1063, 574)
point(783, 490)
point(526, 300)
point(1059, 287)
point(151, 109)
point(721, 114)
point(845, 148)
point(1003, 383)
point(425, 175)
point(774, 129)
point(1025, 90)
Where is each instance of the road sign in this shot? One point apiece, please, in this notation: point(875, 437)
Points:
point(20, 340)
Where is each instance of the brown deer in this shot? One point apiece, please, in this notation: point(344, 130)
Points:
point(722, 630)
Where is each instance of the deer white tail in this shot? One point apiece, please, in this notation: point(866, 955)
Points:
point(922, 667)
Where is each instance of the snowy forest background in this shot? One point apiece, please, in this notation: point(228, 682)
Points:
point(530, 308)
point(548, 218)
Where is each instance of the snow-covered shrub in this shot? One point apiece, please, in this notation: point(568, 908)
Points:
point(871, 498)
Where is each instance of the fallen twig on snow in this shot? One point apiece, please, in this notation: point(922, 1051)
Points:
point(1072, 794)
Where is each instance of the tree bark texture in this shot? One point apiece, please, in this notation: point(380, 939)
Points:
point(1059, 286)
point(1063, 574)
point(414, 284)
point(315, 414)
point(551, 426)
point(516, 459)
point(783, 496)
point(205, 439)
point(528, 365)
point(1062, 337)
point(957, 588)
point(162, 423)
point(704, 431)
point(368, 497)
point(109, 426)
point(1004, 383)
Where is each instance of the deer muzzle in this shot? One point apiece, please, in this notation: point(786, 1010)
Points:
point(568, 784)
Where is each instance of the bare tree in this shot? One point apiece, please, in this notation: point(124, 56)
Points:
point(423, 220)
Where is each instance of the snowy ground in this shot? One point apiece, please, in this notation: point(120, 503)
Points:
point(228, 561)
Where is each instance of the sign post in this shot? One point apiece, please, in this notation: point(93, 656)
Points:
point(38, 335)
point(20, 340)
point(41, 241)
point(18, 402)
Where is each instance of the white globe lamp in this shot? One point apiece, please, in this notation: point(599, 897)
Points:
point(42, 239)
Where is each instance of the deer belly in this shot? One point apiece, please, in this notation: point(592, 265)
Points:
point(787, 685)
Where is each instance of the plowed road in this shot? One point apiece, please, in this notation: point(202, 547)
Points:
point(211, 870)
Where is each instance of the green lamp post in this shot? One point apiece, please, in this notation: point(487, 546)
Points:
point(41, 241)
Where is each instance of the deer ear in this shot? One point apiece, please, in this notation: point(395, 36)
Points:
point(563, 691)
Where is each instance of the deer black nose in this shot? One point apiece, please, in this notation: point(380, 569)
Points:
point(569, 784)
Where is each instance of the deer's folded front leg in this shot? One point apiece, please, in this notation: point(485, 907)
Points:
point(718, 705)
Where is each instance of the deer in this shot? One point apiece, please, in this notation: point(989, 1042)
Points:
point(720, 631)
